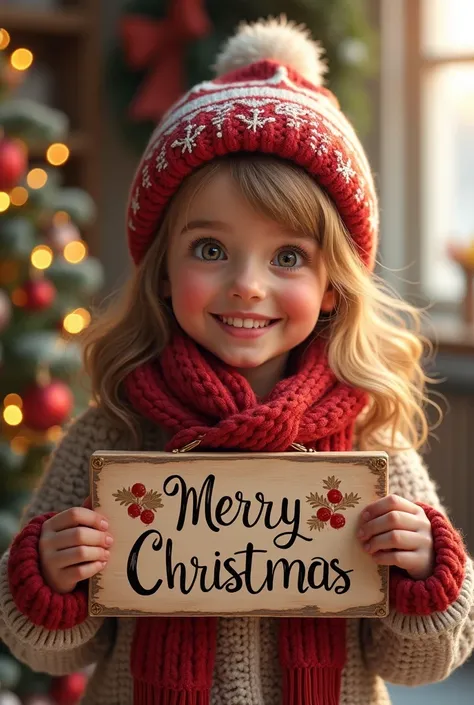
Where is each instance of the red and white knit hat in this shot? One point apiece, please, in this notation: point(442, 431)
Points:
point(267, 98)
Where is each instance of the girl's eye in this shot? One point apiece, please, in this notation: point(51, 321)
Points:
point(209, 251)
point(289, 258)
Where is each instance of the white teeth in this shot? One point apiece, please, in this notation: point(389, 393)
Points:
point(244, 322)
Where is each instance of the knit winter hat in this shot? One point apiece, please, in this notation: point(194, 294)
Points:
point(267, 97)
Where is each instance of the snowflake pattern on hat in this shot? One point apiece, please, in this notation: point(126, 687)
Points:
point(262, 107)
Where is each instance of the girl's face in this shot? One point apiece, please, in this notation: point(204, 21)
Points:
point(241, 285)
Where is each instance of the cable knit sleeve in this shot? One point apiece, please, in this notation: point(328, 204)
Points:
point(429, 630)
point(65, 484)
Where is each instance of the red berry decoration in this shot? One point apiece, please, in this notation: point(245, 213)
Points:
point(147, 517)
point(47, 406)
point(338, 521)
point(40, 294)
point(334, 496)
point(13, 164)
point(134, 511)
point(324, 514)
point(138, 489)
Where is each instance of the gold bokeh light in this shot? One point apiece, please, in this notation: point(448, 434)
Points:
point(21, 59)
point(4, 201)
point(19, 298)
point(57, 154)
point(13, 400)
point(19, 196)
point(75, 251)
point(61, 217)
point(36, 178)
point(12, 415)
point(42, 257)
point(4, 39)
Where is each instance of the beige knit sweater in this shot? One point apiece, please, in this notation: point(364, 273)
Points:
point(400, 649)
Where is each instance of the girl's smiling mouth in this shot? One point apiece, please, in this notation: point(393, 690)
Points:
point(245, 325)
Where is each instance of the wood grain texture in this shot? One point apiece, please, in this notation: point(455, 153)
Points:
point(237, 534)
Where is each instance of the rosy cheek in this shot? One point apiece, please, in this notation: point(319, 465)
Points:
point(301, 303)
point(191, 291)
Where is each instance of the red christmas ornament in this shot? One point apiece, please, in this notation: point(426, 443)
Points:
point(338, 521)
point(139, 489)
point(46, 406)
point(334, 496)
point(40, 294)
point(324, 514)
point(13, 164)
point(134, 511)
point(147, 517)
point(68, 690)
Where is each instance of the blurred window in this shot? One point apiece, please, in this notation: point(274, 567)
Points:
point(446, 140)
point(427, 149)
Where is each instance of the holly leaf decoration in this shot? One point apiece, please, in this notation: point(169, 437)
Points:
point(349, 500)
point(317, 500)
point(331, 483)
point(124, 496)
point(152, 500)
point(315, 524)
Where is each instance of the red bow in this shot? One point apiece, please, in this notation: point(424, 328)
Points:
point(159, 45)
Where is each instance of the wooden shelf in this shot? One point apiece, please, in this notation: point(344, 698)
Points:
point(46, 22)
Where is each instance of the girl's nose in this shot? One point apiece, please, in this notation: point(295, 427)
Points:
point(247, 284)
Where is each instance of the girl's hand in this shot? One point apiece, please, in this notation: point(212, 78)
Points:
point(397, 532)
point(73, 546)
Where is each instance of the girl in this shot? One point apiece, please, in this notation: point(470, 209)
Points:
point(253, 321)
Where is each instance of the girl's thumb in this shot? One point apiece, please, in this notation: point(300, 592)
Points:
point(87, 503)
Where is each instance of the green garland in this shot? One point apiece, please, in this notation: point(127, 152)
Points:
point(342, 26)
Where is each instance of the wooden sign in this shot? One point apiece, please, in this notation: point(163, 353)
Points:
point(238, 534)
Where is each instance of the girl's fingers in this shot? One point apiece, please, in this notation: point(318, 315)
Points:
point(76, 516)
point(392, 521)
point(397, 540)
point(83, 571)
point(81, 554)
point(406, 560)
point(390, 503)
point(77, 536)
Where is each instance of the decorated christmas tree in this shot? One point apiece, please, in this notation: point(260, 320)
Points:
point(46, 282)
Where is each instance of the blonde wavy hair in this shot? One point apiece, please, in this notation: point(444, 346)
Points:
point(374, 336)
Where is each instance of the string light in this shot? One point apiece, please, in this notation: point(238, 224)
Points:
point(19, 444)
point(57, 154)
point(19, 298)
point(54, 434)
point(76, 321)
point(4, 201)
point(21, 59)
point(4, 39)
point(36, 178)
point(19, 196)
point(9, 271)
point(13, 400)
point(61, 217)
point(85, 315)
point(41, 257)
point(12, 415)
point(75, 251)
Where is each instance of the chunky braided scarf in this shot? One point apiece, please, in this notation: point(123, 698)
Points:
point(192, 394)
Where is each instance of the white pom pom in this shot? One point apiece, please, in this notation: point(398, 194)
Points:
point(279, 40)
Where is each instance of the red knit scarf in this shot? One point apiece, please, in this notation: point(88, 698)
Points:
point(191, 394)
